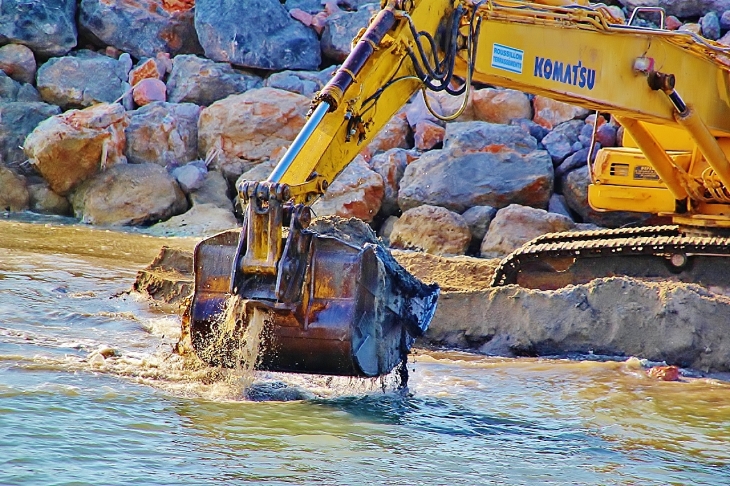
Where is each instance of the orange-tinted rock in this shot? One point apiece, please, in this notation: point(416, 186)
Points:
point(664, 373)
point(356, 193)
point(501, 105)
point(393, 135)
point(433, 229)
point(550, 113)
point(13, 191)
point(18, 62)
point(176, 6)
point(66, 149)
point(428, 134)
point(149, 90)
point(148, 69)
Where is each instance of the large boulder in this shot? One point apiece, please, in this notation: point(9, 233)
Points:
point(477, 179)
point(201, 81)
point(432, 229)
point(259, 35)
point(551, 113)
point(356, 193)
point(82, 79)
point(213, 190)
point(391, 166)
point(201, 220)
point(18, 62)
point(515, 225)
point(478, 136)
point(395, 134)
point(66, 149)
point(680, 8)
point(47, 27)
point(244, 130)
point(143, 27)
point(305, 83)
point(341, 28)
point(501, 105)
point(13, 191)
point(163, 133)
point(128, 194)
point(17, 121)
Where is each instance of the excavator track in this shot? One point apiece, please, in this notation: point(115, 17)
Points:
point(558, 259)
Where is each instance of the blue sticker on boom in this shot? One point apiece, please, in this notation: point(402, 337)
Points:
point(507, 58)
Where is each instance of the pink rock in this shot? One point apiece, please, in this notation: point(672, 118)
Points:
point(672, 23)
point(550, 113)
point(356, 193)
point(393, 135)
point(149, 90)
point(428, 134)
point(301, 16)
point(18, 62)
point(501, 105)
point(433, 229)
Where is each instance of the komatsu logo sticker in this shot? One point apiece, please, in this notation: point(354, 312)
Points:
point(573, 74)
point(507, 58)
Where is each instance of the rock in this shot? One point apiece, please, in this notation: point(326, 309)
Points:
point(479, 218)
point(11, 90)
point(261, 36)
point(305, 83)
point(560, 142)
point(725, 21)
point(710, 25)
point(43, 200)
point(664, 373)
point(558, 205)
point(13, 191)
point(680, 8)
point(17, 121)
point(190, 176)
point(469, 137)
point(66, 149)
point(617, 13)
point(247, 128)
point(428, 135)
point(515, 225)
point(432, 229)
point(477, 179)
point(395, 134)
point(451, 104)
point(147, 69)
point(201, 220)
point(575, 190)
point(672, 23)
point(213, 190)
point(341, 28)
point(148, 91)
point(163, 133)
point(391, 166)
point(416, 111)
point(356, 193)
point(82, 79)
point(386, 229)
point(48, 27)
point(143, 27)
point(692, 27)
point(18, 62)
point(128, 194)
point(572, 162)
point(536, 131)
point(201, 81)
point(501, 105)
point(276, 391)
point(550, 113)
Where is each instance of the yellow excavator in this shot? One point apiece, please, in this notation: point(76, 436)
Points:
point(331, 300)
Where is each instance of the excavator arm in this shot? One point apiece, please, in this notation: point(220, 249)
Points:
point(331, 303)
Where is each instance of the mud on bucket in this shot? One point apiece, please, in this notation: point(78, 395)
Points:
point(355, 311)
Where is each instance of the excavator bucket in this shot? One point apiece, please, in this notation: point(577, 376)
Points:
point(338, 305)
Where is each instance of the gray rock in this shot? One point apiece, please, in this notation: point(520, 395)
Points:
point(558, 205)
point(48, 27)
point(386, 229)
point(725, 21)
point(680, 8)
point(276, 391)
point(391, 166)
point(18, 62)
point(478, 136)
point(108, 198)
point(559, 142)
point(575, 190)
point(477, 179)
point(189, 176)
point(432, 229)
point(572, 162)
point(28, 94)
point(82, 79)
point(478, 218)
point(262, 35)
point(11, 90)
point(201, 81)
point(341, 28)
point(163, 133)
point(306, 83)
point(13, 191)
point(309, 6)
point(710, 26)
point(17, 121)
point(142, 28)
point(538, 132)
point(213, 190)
point(199, 221)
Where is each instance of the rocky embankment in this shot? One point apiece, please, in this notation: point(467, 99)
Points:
point(146, 113)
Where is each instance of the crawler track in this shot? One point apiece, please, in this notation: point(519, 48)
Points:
point(558, 259)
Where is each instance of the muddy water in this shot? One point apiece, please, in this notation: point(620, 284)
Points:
point(90, 394)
